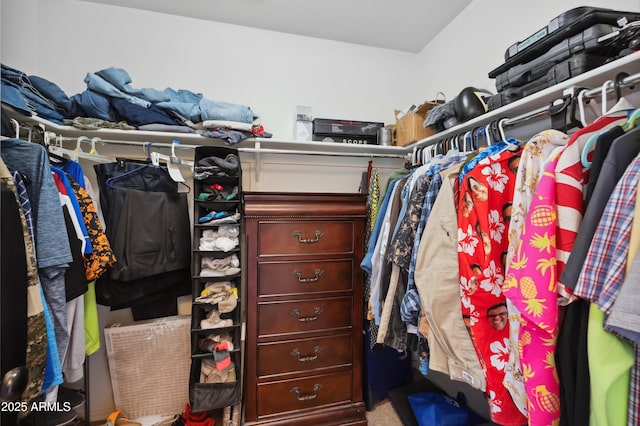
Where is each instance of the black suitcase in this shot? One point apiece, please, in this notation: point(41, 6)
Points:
point(586, 41)
point(569, 68)
point(563, 26)
point(574, 66)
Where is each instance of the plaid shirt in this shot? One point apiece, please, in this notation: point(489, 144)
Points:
point(603, 273)
point(604, 268)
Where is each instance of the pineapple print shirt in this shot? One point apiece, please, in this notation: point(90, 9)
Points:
point(535, 155)
point(482, 245)
point(531, 285)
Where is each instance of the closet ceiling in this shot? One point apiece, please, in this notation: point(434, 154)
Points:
point(404, 25)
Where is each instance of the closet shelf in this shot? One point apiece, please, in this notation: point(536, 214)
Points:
point(591, 79)
point(208, 355)
point(216, 277)
point(262, 145)
point(198, 330)
point(217, 252)
point(522, 107)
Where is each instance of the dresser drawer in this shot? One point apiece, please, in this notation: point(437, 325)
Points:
point(282, 278)
point(308, 392)
point(293, 356)
point(298, 316)
point(305, 237)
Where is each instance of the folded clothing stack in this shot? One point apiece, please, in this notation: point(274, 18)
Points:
point(219, 267)
point(225, 238)
point(224, 294)
point(216, 166)
point(216, 192)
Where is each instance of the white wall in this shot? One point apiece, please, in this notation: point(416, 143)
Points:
point(473, 44)
point(62, 40)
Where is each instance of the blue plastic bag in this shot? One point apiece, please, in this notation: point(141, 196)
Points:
point(435, 409)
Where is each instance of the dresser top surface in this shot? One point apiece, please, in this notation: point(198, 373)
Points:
point(262, 204)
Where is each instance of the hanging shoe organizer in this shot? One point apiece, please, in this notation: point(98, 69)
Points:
point(215, 379)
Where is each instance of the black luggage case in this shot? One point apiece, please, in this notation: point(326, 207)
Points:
point(562, 27)
point(569, 68)
point(586, 41)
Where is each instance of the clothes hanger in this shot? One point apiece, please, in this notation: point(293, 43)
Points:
point(587, 147)
point(413, 155)
point(93, 150)
point(92, 155)
point(582, 103)
point(632, 121)
point(488, 135)
point(495, 131)
point(603, 95)
point(477, 134)
point(54, 151)
point(16, 126)
point(465, 143)
point(129, 173)
point(583, 120)
point(621, 105)
point(173, 162)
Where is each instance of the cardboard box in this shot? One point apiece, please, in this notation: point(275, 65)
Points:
point(410, 128)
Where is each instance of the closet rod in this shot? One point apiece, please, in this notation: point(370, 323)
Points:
point(588, 94)
point(258, 150)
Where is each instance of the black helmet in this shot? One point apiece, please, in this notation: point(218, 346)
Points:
point(470, 103)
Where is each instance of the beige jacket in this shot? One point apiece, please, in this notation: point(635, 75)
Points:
point(438, 284)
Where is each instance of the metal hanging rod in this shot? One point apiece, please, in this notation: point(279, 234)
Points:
point(257, 149)
point(586, 94)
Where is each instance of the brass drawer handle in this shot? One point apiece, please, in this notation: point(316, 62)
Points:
point(298, 235)
point(306, 358)
point(307, 397)
point(298, 275)
point(296, 313)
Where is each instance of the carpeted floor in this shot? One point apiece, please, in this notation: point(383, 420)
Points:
point(383, 414)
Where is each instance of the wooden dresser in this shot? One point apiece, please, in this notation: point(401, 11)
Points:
point(304, 308)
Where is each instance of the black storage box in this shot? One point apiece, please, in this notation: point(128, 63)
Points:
point(346, 131)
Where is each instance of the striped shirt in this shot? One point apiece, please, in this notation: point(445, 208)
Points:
point(571, 180)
